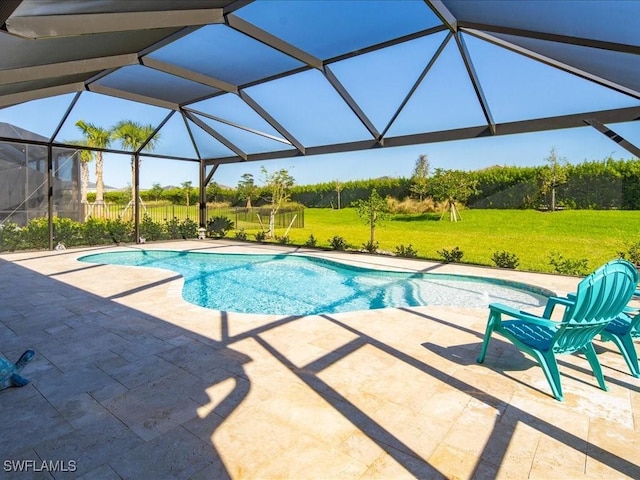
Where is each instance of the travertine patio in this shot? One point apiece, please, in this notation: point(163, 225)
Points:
point(132, 382)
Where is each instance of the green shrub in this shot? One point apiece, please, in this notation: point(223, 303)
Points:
point(632, 254)
point(568, 266)
point(338, 243)
point(451, 256)
point(188, 229)
point(121, 197)
point(371, 247)
point(311, 241)
point(150, 230)
point(67, 231)
point(120, 231)
point(36, 234)
point(283, 240)
point(10, 237)
point(241, 234)
point(217, 227)
point(505, 259)
point(261, 236)
point(95, 231)
point(407, 252)
point(172, 227)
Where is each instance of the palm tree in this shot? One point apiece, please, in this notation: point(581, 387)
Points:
point(99, 138)
point(85, 156)
point(132, 136)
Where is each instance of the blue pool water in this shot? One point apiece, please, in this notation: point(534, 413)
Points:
point(299, 285)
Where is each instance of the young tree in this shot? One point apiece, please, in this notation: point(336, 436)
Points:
point(212, 191)
point(453, 186)
point(132, 136)
point(278, 183)
point(186, 186)
point(247, 189)
point(338, 187)
point(373, 211)
point(156, 191)
point(552, 175)
point(99, 138)
point(419, 182)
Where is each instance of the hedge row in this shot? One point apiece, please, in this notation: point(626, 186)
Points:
point(95, 231)
point(590, 185)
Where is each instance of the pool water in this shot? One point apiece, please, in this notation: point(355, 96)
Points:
point(301, 285)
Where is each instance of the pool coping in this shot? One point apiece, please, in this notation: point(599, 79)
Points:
point(393, 393)
point(329, 261)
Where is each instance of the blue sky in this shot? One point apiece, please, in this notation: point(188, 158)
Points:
point(516, 88)
point(575, 145)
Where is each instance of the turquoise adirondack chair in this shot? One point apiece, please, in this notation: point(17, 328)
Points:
point(634, 312)
point(621, 331)
point(599, 298)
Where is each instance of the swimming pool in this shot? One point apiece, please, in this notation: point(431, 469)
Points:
point(303, 285)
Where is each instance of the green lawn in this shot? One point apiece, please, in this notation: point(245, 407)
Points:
point(596, 235)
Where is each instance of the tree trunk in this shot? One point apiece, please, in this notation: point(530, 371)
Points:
point(84, 181)
point(373, 227)
point(553, 199)
point(99, 180)
point(133, 179)
point(272, 223)
point(454, 215)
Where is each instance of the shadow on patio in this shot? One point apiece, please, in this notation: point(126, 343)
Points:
point(126, 393)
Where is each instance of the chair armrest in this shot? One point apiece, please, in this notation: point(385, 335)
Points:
point(569, 301)
point(520, 315)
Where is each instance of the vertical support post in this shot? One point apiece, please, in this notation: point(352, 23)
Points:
point(202, 217)
point(25, 187)
point(136, 196)
point(50, 193)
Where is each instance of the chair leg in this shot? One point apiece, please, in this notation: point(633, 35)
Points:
point(494, 317)
point(547, 361)
point(628, 351)
point(591, 355)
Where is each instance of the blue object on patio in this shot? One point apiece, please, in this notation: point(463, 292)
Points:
point(599, 298)
point(10, 372)
point(621, 331)
point(634, 311)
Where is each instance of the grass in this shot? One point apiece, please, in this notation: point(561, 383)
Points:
point(595, 235)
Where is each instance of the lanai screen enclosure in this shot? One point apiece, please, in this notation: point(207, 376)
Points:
point(237, 81)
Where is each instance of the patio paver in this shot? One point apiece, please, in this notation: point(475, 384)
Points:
point(132, 382)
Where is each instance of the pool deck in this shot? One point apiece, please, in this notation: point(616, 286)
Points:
point(132, 382)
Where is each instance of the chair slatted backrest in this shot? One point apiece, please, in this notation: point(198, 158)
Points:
point(600, 297)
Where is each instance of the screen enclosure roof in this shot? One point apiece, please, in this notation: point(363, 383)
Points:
point(232, 81)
